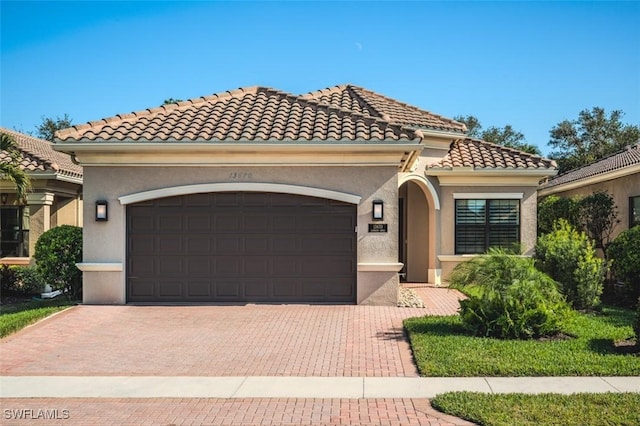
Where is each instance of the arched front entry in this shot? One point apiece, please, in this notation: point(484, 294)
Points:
point(418, 230)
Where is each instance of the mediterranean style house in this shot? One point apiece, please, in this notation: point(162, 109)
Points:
point(617, 174)
point(56, 198)
point(256, 195)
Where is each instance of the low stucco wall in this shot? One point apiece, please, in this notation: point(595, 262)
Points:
point(106, 241)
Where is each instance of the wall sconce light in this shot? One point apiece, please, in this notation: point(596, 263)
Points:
point(4, 197)
point(378, 210)
point(102, 212)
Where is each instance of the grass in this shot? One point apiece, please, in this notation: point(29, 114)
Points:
point(16, 316)
point(441, 347)
point(543, 409)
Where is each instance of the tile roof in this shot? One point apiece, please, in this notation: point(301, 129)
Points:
point(372, 104)
point(478, 154)
point(630, 156)
point(246, 114)
point(37, 155)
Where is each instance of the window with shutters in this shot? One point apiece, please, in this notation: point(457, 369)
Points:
point(481, 224)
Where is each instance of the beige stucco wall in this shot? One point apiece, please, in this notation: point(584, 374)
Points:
point(528, 220)
point(104, 242)
point(621, 189)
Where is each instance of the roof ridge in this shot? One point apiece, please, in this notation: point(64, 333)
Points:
point(151, 111)
point(331, 107)
point(382, 115)
point(406, 105)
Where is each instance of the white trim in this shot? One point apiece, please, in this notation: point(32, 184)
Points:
point(40, 198)
point(239, 186)
point(379, 267)
point(100, 266)
point(488, 195)
point(413, 177)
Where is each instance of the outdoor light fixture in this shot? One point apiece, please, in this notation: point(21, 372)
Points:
point(4, 197)
point(378, 210)
point(101, 211)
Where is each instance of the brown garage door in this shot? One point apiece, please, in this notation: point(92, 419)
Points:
point(241, 247)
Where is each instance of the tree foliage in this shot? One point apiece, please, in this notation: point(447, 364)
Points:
point(553, 208)
point(505, 136)
point(49, 126)
point(598, 215)
point(10, 167)
point(592, 136)
point(171, 101)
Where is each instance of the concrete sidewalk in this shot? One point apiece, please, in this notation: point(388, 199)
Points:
point(297, 387)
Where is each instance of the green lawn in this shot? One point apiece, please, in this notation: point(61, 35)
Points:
point(545, 409)
point(441, 347)
point(15, 317)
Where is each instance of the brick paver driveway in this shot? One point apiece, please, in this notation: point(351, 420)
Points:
point(252, 340)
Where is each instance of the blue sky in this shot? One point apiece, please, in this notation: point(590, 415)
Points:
point(528, 64)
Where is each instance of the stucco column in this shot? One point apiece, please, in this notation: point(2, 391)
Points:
point(39, 216)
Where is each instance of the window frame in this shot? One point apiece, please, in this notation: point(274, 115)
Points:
point(487, 226)
point(633, 222)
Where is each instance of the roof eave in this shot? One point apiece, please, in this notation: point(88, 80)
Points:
point(578, 183)
point(467, 171)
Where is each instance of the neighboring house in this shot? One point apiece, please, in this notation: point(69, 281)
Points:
point(56, 198)
point(255, 195)
point(618, 175)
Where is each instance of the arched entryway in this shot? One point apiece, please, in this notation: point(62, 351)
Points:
point(418, 207)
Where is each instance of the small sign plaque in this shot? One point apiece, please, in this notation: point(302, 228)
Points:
point(377, 227)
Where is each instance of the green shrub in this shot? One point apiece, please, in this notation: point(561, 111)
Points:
point(569, 258)
point(636, 324)
point(57, 252)
point(8, 278)
point(29, 279)
point(624, 253)
point(511, 298)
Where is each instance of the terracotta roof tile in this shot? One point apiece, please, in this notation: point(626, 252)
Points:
point(372, 104)
point(630, 156)
point(477, 154)
point(254, 113)
point(37, 155)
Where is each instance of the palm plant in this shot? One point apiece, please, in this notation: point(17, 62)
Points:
point(9, 167)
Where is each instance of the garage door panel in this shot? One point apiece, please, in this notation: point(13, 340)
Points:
point(171, 289)
point(170, 265)
point(142, 289)
point(199, 289)
point(142, 266)
point(239, 247)
point(256, 289)
point(285, 288)
point(198, 266)
point(170, 244)
point(141, 244)
point(227, 265)
point(227, 223)
point(228, 289)
point(198, 244)
point(170, 223)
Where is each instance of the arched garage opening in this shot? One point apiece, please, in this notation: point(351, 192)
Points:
point(241, 246)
